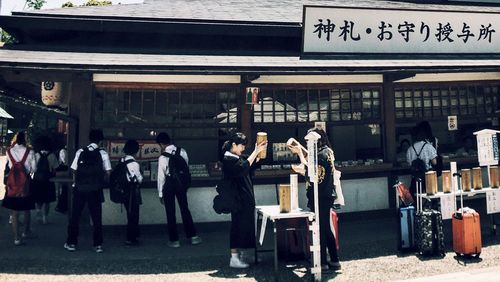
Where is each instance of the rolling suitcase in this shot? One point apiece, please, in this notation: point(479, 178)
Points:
point(429, 228)
point(466, 226)
point(406, 228)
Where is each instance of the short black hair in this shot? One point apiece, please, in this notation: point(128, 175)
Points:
point(42, 143)
point(96, 136)
point(21, 138)
point(323, 141)
point(163, 138)
point(131, 147)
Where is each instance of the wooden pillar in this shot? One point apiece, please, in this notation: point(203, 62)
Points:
point(245, 113)
point(80, 107)
point(389, 125)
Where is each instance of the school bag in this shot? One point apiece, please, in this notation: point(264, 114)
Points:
point(179, 175)
point(119, 185)
point(418, 167)
point(43, 173)
point(18, 180)
point(89, 174)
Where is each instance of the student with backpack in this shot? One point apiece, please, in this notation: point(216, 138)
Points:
point(18, 198)
point(91, 167)
point(421, 156)
point(173, 181)
point(44, 191)
point(124, 189)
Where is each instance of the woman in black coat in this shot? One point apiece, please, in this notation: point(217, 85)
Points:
point(327, 196)
point(237, 168)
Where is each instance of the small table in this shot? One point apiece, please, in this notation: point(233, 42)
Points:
point(273, 214)
point(480, 193)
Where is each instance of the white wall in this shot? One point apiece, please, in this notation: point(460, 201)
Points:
point(360, 195)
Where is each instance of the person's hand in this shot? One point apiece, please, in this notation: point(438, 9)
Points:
point(261, 147)
point(161, 201)
point(300, 169)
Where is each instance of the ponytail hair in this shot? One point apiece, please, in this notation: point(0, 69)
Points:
point(237, 138)
point(323, 141)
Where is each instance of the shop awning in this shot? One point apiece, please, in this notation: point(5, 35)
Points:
point(5, 114)
point(158, 63)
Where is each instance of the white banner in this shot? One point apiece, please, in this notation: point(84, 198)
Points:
point(493, 201)
point(369, 30)
point(447, 205)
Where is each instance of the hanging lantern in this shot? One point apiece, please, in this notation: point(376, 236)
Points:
point(55, 94)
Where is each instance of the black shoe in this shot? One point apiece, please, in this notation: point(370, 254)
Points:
point(335, 266)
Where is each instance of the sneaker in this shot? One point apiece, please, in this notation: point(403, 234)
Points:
point(174, 244)
point(98, 249)
point(195, 240)
point(70, 247)
point(235, 262)
point(18, 242)
point(335, 266)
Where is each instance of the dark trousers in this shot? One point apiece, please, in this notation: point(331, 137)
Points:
point(94, 202)
point(242, 232)
point(62, 200)
point(169, 196)
point(132, 205)
point(327, 239)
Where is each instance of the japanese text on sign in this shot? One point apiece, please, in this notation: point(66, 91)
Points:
point(352, 30)
point(493, 201)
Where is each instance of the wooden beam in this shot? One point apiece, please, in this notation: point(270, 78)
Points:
point(80, 107)
point(389, 113)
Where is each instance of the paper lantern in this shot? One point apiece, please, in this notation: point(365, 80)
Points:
point(55, 93)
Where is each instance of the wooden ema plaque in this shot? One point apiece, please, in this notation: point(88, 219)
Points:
point(494, 182)
point(285, 198)
point(477, 178)
point(446, 176)
point(431, 183)
point(466, 180)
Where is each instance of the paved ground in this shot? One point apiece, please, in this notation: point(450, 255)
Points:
point(368, 253)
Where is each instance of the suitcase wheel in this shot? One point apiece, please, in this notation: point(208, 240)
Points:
point(477, 255)
point(458, 254)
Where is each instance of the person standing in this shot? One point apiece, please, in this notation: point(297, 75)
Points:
point(169, 188)
point(326, 197)
point(44, 191)
point(237, 168)
point(132, 198)
point(91, 167)
point(62, 171)
point(20, 163)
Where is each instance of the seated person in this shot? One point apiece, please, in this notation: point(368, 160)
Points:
point(468, 147)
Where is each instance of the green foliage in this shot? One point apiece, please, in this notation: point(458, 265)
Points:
point(68, 5)
point(35, 4)
point(97, 3)
point(7, 38)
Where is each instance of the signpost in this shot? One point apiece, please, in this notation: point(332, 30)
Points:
point(312, 172)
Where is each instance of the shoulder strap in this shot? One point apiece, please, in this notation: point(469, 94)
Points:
point(12, 160)
point(167, 155)
point(178, 151)
point(421, 149)
point(25, 155)
point(129, 161)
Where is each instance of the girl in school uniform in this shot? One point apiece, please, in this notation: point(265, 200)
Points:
point(237, 167)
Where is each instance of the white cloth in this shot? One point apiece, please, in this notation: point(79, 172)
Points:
point(428, 153)
point(93, 146)
point(63, 156)
point(338, 188)
point(133, 169)
point(163, 166)
point(17, 152)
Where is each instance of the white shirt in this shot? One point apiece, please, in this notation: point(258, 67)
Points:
point(93, 146)
point(17, 152)
point(163, 166)
point(428, 153)
point(63, 156)
point(133, 168)
point(53, 163)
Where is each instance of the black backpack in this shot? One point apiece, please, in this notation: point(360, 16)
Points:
point(418, 167)
point(89, 174)
point(179, 175)
point(119, 186)
point(43, 173)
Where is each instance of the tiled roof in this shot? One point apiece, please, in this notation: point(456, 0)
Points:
point(283, 11)
point(137, 63)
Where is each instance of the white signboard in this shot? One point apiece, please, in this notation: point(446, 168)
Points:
point(493, 201)
point(452, 123)
point(447, 205)
point(370, 30)
point(294, 191)
point(487, 147)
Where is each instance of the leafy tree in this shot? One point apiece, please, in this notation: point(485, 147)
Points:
point(35, 4)
point(97, 3)
point(68, 5)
